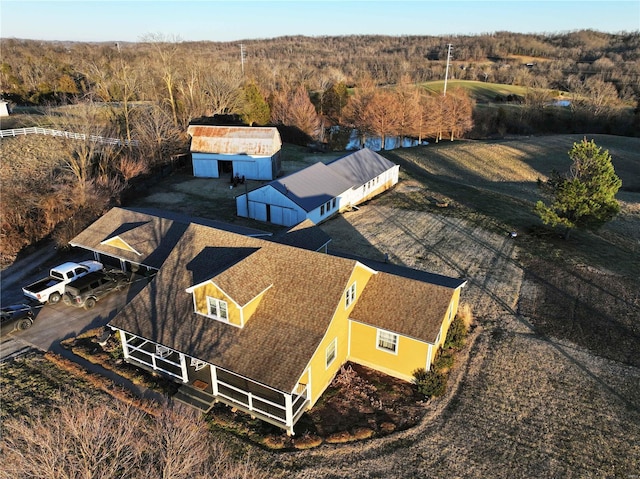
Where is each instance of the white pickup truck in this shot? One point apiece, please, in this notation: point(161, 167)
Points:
point(51, 288)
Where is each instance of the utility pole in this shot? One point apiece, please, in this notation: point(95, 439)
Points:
point(242, 58)
point(446, 73)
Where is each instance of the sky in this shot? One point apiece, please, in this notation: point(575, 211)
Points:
point(234, 20)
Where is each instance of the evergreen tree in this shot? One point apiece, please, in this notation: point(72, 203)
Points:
point(256, 109)
point(585, 196)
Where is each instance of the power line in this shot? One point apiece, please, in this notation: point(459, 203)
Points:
point(446, 73)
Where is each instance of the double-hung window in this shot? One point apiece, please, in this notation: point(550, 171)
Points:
point(387, 341)
point(330, 353)
point(350, 295)
point(217, 309)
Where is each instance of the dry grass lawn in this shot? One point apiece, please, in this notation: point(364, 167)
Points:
point(524, 404)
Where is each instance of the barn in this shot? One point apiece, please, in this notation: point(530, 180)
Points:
point(219, 151)
point(321, 190)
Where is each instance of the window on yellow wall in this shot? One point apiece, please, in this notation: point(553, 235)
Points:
point(350, 295)
point(217, 308)
point(387, 341)
point(330, 353)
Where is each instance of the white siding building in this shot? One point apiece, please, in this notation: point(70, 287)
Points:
point(320, 191)
point(219, 151)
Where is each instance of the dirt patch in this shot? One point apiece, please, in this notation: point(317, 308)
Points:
point(591, 308)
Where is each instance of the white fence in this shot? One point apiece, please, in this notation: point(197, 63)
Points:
point(65, 134)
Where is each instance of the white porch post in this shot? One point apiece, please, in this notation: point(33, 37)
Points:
point(429, 351)
point(125, 346)
point(288, 403)
point(214, 379)
point(183, 367)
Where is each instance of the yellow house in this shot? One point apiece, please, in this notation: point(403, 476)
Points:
point(264, 326)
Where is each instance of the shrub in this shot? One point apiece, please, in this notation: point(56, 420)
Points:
point(459, 327)
point(430, 383)
point(444, 362)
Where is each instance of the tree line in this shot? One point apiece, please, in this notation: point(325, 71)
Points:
point(315, 89)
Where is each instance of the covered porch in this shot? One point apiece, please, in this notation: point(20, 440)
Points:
point(205, 384)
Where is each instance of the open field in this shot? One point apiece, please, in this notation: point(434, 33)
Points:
point(482, 92)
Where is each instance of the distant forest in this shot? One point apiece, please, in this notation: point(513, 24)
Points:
point(196, 79)
point(317, 91)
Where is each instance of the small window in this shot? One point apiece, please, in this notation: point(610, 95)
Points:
point(350, 295)
point(328, 206)
point(387, 341)
point(217, 308)
point(322, 210)
point(330, 353)
point(334, 203)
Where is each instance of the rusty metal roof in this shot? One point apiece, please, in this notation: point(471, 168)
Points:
point(235, 140)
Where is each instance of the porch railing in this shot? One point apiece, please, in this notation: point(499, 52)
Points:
point(143, 351)
point(136, 350)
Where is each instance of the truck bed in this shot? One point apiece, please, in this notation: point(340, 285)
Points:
point(41, 285)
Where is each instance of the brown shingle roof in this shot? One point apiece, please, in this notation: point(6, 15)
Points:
point(278, 341)
point(153, 233)
point(152, 236)
point(248, 278)
point(403, 306)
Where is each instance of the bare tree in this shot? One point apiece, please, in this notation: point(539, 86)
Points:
point(85, 156)
point(458, 113)
point(383, 114)
point(109, 440)
point(223, 90)
point(598, 96)
point(408, 96)
point(73, 442)
point(166, 49)
point(355, 110)
point(294, 108)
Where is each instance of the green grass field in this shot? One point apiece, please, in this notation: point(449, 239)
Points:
point(480, 91)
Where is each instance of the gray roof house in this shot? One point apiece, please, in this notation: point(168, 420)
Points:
point(320, 190)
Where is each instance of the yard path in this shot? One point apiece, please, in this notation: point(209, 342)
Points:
point(518, 404)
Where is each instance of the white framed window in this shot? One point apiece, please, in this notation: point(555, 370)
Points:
point(350, 295)
point(387, 341)
point(330, 352)
point(217, 309)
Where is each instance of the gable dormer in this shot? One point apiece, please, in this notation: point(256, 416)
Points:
point(118, 242)
point(232, 296)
